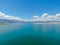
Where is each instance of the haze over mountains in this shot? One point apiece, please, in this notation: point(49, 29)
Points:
point(13, 19)
point(8, 19)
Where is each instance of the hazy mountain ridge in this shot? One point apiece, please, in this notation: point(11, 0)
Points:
point(8, 21)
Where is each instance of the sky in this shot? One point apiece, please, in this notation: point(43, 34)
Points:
point(29, 8)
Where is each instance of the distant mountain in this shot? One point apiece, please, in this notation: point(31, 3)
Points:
point(20, 21)
point(8, 21)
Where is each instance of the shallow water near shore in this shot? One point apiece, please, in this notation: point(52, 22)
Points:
point(30, 34)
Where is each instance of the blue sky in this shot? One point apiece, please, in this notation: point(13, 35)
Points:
point(29, 8)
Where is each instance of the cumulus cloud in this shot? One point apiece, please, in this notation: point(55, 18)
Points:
point(51, 18)
point(35, 17)
point(4, 16)
point(12, 17)
point(43, 17)
point(47, 17)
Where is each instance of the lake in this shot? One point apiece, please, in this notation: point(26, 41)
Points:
point(30, 34)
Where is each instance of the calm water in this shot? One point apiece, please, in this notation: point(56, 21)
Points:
point(30, 34)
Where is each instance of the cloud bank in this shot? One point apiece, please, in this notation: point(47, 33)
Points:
point(43, 17)
point(4, 16)
point(47, 17)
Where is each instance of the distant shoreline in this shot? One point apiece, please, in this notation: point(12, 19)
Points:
point(1, 24)
point(42, 22)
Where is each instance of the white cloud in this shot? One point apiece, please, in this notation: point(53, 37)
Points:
point(51, 18)
point(36, 17)
point(46, 17)
point(43, 17)
point(12, 17)
point(4, 16)
point(57, 15)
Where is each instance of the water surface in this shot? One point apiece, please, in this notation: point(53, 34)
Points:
point(30, 34)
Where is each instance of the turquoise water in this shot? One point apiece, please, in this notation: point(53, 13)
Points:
point(30, 34)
